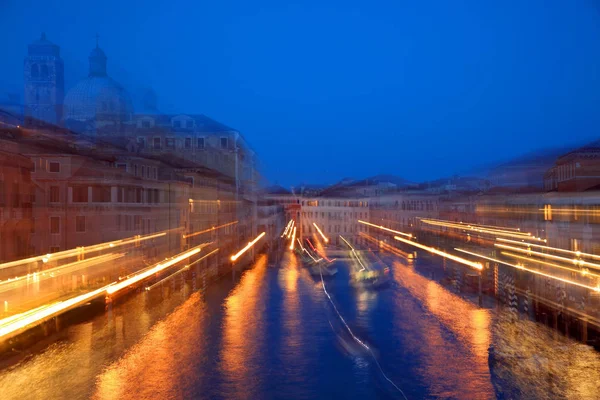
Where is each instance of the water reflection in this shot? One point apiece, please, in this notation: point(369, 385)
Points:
point(531, 362)
point(451, 329)
point(243, 334)
point(159, 364)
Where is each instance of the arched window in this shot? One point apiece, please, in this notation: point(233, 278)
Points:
point(44, 71)
point(35, 71)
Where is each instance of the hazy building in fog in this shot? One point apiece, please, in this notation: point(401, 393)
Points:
point(43, 72)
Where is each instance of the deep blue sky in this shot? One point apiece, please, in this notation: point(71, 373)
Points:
point(328, 89)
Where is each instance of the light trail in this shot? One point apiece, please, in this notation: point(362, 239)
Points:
point(452, 257)
point(12, 325)
point(317, 251)
point(250, 244)
point(533, 271)
point(82, 250)
point(386, 246)
point(289, 235)
point(584, 272)
point(489, 231)
point(285, 231)
point(557, 249)
point(354, 252)
point(408, 235)
point(214, 228)
point(503, 228)
point(13, 283)
point(300, 243)
point(293, 239)
point(573, 261)
point(151, 271)
point(321, 233)
point(186, 267)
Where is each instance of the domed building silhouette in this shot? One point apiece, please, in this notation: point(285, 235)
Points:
point(98, 103)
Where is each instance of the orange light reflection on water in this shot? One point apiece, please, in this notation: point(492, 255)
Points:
point(453, 371)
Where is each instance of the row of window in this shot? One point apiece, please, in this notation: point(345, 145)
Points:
point(123, 223)
point(566, 171)
point(80, 224)
point(335, 203)
point(103, 194)
point(188, 143)
point(40, 71)
point(353, 228)
point(142, 171)
point(333, 215)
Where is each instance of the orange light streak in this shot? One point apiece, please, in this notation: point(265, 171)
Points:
point(149, 272)
point(289, 235)
point(293, 239)
point(321, 233)
point(461, 260)
point(573, 261)
point(386, 246)
point(78, 250)
point(520, 235)
point(502, 228)
point(209, 229)
point(518, 266)
point(250, 244)
point(557, 249)
point(386, 229)
point(15, 323)
point(285, 231)
point(181, 270)
point(583, 272)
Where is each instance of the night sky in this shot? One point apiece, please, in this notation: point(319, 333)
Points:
point(329, 89)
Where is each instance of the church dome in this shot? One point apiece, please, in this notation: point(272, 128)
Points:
point(98, 97)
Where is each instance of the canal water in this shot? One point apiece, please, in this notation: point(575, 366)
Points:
point(273, 332)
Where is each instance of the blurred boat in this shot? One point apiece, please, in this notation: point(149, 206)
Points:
point(374, 277)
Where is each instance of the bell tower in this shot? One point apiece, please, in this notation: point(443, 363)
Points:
point(44, 82)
